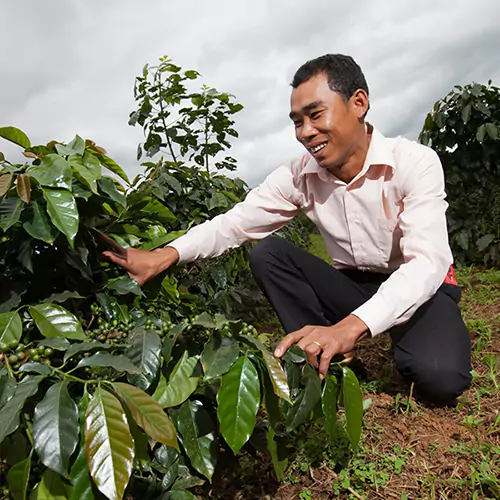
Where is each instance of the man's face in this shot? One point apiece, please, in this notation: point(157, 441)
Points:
point(327, 125)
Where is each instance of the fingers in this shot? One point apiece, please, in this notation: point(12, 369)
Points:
point(285, 344)
point(324, 364)
point(115, 258)
point(311, 349)
point(289, 340)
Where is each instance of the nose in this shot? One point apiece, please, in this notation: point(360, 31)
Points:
point(306, 132)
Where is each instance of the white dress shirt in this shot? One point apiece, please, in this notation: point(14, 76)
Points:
point(389, 219)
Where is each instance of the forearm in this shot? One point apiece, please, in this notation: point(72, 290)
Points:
point(265, 210)
point(163, 258)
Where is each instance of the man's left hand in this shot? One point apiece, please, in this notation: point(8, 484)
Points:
point(325, 340)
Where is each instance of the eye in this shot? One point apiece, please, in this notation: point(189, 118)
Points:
point(315, 114)
point(297, 124)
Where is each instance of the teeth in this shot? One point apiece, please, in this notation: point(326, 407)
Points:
point(319, 147)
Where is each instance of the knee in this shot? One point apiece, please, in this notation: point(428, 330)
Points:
point(263, 253)
point(440, 382)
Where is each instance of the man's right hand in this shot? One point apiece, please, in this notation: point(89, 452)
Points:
point(142, 265)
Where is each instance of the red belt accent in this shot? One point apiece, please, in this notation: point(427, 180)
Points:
point(450, 277)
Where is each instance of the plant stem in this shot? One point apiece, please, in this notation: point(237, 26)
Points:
point(73, 378)
point(9, 368)
point(169, 143)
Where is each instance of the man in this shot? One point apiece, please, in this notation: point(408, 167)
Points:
point(380, 206)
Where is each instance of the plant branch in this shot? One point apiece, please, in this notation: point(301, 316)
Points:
point(169, 142)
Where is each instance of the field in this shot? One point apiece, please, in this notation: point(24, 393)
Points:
point(408, 451)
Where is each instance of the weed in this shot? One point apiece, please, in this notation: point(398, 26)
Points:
point(305, 495)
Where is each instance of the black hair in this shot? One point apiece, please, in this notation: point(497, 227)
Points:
point(343, 73)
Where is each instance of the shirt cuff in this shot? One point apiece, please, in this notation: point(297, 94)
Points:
point(185, 249)
point(376, 315)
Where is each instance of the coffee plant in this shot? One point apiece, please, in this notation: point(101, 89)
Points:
point(107, 389)
point(464, 129)
point(195, 124)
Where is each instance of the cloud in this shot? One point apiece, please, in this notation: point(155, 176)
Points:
point(69, 67)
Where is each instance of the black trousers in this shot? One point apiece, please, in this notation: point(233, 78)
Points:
point(432, 349)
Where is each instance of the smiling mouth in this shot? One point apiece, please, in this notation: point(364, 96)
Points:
point(317, 148)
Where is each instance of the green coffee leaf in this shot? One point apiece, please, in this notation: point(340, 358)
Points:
point(219, 354)
point(205, 320)
point(55, 172)
point(124, 285)
point(7, 388)
point(162, 240)
point(81, 347)
point(170, 340)
point(353, 404)
point(63, 212)
point(107, 162)
point(276, 372)
point(63, 297)
point(76, 146)
point(11, 328)
point(103, 359)
point(39, 226)
point(9, 414)
point(177, 495)
point(57, 343)
point(108, 187)
point(278, 454)
point(198, 437)
point(329, 398)
point(10, 211)
point(16, 136)
point(54, 321)
point(86, 175)
point(33, 367)
point(144, 352)
point(81, 483)
point(51, 487)
point(55, 428)
point(81, 487)
point(148, 414)
point(238, 400)
point(182, 383)
point(108, 444)
point(18, 477)
point(307, 399)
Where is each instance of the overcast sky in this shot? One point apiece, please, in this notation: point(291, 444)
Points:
point(68, 66)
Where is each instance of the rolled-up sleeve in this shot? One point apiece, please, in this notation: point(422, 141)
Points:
point(424, 246)
point(266, 209)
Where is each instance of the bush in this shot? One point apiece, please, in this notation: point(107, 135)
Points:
point(464, 129)
point(106, 387)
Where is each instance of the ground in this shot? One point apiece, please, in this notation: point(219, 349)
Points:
point(408, 450)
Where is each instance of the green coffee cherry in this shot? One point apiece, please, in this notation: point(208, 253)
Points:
point(20, 347)
point(13, 344)
point(41, 349)
point(36, 358)
point(13, 359)
point(48, 351)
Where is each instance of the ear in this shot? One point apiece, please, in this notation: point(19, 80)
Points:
point(360, 103)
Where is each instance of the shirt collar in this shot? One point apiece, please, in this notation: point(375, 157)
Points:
point(380, 152)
